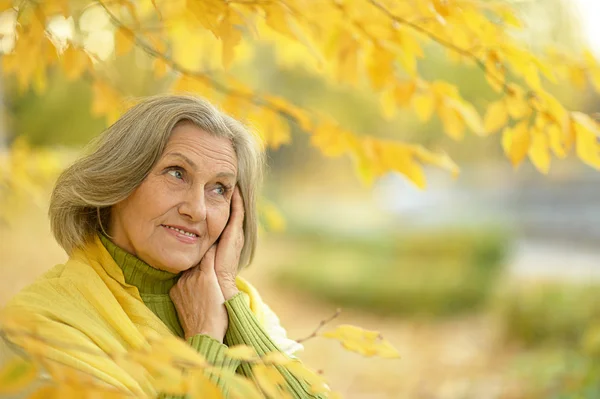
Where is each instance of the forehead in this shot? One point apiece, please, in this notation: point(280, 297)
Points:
point(204, 150)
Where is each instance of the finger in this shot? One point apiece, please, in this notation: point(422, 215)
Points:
point(237, 208)
point(208, 260)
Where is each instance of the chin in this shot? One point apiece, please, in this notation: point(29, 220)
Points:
point(177, 265)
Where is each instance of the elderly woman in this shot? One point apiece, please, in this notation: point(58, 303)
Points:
point(157, 221)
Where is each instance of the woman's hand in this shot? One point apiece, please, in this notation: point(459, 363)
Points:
point(229, 247)
point(199, 302)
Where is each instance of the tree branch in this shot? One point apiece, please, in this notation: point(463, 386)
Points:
point(338, 311)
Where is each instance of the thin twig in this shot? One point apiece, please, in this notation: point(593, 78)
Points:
point(338, 311)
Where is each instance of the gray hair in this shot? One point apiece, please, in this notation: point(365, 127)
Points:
point(120, 158)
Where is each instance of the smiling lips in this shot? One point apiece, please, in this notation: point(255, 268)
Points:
point(185, 236)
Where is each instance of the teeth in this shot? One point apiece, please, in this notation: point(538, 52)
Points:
point(182, 231)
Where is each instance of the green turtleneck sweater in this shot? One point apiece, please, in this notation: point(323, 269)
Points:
point(244, 328)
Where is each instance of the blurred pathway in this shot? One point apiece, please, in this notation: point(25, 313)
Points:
point(542, 259)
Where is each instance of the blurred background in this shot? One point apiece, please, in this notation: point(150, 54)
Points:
point(488, 284)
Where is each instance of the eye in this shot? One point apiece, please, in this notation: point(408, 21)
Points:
point(176, 172)
point(221, 189)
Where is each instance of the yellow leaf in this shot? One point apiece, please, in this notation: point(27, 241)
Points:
point(278, 18)
point(202, 387)
point(242, 352)
point(452, 121)
point(186, 84)
point(495, 117)
point(587, 133)
point(208, 12)
point(594, 74)
point(347, 59)
point(75, 62)
point(367, 343)
point(516, 104)
point(391, 156)
point(532, 77)
point(175, 350)
point(331, 140)
point(277, 358)
point(301, 116)
point(577, 76)
point(380, 66)
point(516, 142)
point(5, 5)
point(230, 33)
point(410, 51)
point(188, 47)
point(404, 92)
point(46, 392)
point(495, 71)
point(440, 160)
point(303, 373)
point(106, 101)
point(269, 379)
point(239, 387)
point(274, 131)
point(508, 16)
point(539, 152)
point(123, 41)
point(160, 68)
point(424, 105)
point(16, 374)
point(556, 141)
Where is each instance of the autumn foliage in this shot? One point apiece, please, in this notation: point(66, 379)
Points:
point(193, 44)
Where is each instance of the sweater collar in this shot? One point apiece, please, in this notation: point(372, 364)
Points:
point(147, 279)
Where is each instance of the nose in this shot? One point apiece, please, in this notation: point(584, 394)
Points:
point(194, 205)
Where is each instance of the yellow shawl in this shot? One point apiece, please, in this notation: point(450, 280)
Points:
point(87, 304)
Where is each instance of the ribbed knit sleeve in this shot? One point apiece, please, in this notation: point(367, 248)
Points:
point(245, 329)
point(214, 352)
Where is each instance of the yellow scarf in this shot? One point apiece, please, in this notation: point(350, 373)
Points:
point(87, 304)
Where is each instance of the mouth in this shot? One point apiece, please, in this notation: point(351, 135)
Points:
point(181, 230)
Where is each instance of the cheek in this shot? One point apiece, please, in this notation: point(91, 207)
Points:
point(146, 207)
point(217, 220)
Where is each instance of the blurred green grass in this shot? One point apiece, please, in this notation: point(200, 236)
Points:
point(426, 273)
point(548, 314)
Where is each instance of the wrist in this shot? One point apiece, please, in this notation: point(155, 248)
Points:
point(228, 286)
point(229, 291)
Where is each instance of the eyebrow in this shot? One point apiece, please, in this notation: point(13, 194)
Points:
point(195, 167)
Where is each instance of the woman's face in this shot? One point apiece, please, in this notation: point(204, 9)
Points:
point(181, 208)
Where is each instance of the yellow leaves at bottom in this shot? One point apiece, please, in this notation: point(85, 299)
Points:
point(301, 372)
point(367, 343)
point(15, 375)
point(242, 352)
point(269, 379)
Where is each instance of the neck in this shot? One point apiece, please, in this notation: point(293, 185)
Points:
point(138, 273)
